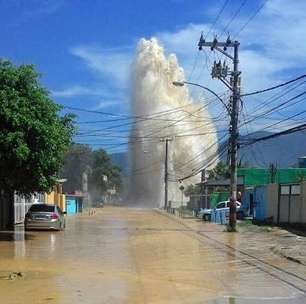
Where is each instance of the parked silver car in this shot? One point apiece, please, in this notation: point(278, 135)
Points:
point(43, 216)
point(205, 214)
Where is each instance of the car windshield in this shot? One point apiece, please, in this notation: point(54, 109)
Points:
point(42, 208)
point(221, 205)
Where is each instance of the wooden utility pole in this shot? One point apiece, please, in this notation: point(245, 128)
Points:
point(204, 191)
point(221, 71)
point(166, 140)
point(273, 172)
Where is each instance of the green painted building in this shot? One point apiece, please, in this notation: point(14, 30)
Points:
point(258, 177)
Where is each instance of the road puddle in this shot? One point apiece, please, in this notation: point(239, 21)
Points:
point(141, 257)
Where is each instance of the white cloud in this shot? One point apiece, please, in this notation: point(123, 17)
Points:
point(77, 91)
point(111, 69)
point(271, 45)
point(111, 64)
point(184, 41)
point(106, 104)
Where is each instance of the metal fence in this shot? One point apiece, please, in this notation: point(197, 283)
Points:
point(20, 210)
point(22, 205)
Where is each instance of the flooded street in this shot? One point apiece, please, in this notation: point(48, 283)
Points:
point(122, 255)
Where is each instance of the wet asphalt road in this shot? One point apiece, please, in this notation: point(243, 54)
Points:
point(123, 255)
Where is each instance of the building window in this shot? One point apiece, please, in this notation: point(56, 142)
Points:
point(295, 189)
point(285, 190)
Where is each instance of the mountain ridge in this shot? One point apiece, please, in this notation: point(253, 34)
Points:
point(283, 151)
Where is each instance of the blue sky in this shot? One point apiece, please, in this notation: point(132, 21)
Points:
point(84, 49)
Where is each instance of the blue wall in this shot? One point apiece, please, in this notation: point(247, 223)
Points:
point(71, 205)
point(260, 201)
point(74, 204)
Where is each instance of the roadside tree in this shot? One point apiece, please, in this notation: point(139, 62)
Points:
point(77, 160)
point(102, 167)
point(33, 137)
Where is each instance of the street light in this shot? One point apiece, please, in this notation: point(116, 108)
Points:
point(182, 83)
point(182, 202)
point(178, 83)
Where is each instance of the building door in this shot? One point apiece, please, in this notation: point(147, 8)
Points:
point(71, 205)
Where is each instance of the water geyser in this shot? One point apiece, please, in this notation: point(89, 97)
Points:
point(163, 110)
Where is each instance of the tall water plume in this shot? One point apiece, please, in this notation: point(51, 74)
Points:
point(163, 110)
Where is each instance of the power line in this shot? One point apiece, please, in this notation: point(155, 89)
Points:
point(137, 119)
point(286, 119)
point(127, 117)
point(149, 136)
point(274, 87)
point(253, 152)
point(217, 18)
point(288, 131)
point(144, 168)
point(211, 161)
point(179, 120)
point(144, 127)
point(234, 16)
point(123, 116)
point(204, 151)
point(194, 65)
point(277, 96)
point(251, 18)
point(278, 107)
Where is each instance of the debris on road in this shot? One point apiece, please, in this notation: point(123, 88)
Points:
point(11, 276)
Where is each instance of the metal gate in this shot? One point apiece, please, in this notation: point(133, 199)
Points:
point(22, 205)
point(289, 204)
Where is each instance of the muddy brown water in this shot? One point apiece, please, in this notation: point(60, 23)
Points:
point(126, 255)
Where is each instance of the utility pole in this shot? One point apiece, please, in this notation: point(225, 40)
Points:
point(182, 200)
point(273, 172)
point(204, 191)
point(166, 141)
point(221, 71)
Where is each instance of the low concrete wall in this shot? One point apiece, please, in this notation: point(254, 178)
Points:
point(272, 201)
point(302, 210)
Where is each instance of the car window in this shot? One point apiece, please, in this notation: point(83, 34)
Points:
point(221, 205)
point(42, 208)
point(237, 204)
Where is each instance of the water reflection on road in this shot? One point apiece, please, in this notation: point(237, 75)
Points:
point(133, 256)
